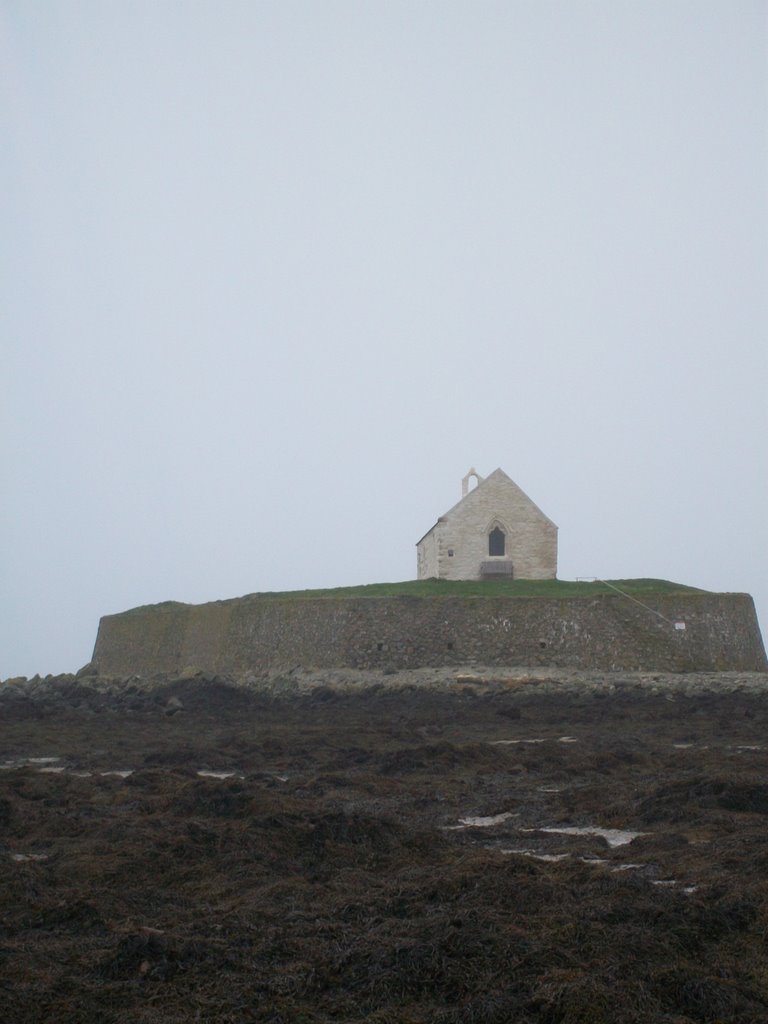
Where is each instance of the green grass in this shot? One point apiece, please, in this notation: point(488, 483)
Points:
point(489, 588)
point(466, 588)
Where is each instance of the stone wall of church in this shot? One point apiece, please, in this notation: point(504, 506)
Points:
point(460, 541)
point(426, 555)
point(606, 632)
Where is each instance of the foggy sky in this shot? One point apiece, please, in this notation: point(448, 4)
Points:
point(274, 275)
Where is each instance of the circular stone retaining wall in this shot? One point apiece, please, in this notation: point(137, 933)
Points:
point(606, 632)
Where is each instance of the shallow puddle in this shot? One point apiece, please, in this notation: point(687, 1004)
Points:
point(486, 822)
point(28, 762)
point(613, 836)
point(591, 861)
point(673, 883)
point(538, 856)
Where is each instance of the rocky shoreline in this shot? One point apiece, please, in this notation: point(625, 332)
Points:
point(86, 686)
point(457, 846)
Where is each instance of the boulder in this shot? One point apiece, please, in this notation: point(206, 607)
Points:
point(190, 672)
point(173, 705)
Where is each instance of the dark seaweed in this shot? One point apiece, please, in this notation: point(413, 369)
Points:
point(326, 880)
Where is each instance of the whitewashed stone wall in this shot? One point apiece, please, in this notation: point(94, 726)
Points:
point(426, 553)
point(457, 545)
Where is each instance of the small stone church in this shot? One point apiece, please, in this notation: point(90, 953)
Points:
point(495, 531)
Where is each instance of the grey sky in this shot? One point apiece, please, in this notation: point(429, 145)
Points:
point(275, 274)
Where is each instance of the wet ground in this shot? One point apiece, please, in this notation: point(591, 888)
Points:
point(200, 852)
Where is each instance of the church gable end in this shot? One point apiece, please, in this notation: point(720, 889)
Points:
point(495, 530)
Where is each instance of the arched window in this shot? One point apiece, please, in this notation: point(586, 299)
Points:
point(496, 541)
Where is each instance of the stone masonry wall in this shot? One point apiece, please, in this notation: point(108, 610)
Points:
point(531, 538)
point(426, 555)
point(260, 633)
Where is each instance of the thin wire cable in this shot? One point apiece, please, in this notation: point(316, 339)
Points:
point(629, 598)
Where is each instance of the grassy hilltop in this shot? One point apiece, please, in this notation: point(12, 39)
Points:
point(492, 588)
point(639, 589)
